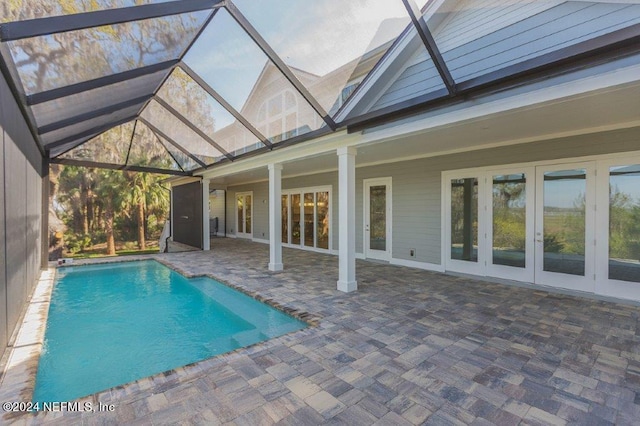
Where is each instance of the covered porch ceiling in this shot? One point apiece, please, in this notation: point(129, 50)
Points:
point(179, 87)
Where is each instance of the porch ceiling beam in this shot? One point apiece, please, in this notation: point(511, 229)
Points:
point(429, 42)
point(159, 132)
point(92, 114)
point(279, 63)
point(215, 95)
point(80, 21)
point(84, 163)
point(193, 127)
point(88, 133)
point(74, 89)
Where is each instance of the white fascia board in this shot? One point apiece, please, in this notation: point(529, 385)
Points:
point(311, 148)
point(548, 95)
point(177, 181)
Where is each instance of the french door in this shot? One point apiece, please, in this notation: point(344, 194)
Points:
point(306, 218)
point(244, 211)
point(565, 226)
point(377, 218)
point(618, 256)
point(489, 221)
point(572, 225)
point(530, 224)
point(510, 223)
point(465, 217)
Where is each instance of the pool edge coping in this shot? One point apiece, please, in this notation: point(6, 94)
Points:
point(19, 375)
point(18, 379)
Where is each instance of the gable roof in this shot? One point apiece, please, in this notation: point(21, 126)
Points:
point(485, 43)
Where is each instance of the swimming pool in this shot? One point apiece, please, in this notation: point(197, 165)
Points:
point(112, 324)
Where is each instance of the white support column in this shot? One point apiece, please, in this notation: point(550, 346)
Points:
point(206, 242)
point(347, 219)
point(275, 217)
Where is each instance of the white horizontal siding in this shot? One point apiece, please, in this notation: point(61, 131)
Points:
point(415, 81)
point(216, 209)
point(554, 29)
point(469, 21)
point(414, 212)
point(485, 36)
point(475, 19)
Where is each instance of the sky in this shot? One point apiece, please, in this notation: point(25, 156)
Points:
point(316, 37)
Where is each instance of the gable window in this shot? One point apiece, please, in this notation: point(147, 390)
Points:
point(278, 117)
point(347, 91)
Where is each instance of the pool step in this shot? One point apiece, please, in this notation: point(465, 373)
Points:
point(249, 337)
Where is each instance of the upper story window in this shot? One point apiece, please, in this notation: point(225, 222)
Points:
point(348, 90)
point(278, 117)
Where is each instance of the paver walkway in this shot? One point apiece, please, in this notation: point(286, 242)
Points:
point(410, 347)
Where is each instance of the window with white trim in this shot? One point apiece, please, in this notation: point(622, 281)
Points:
point(278, 117)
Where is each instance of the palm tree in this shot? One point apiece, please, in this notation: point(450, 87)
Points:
point(142, 188)
point(109, 193)
point(145, 196)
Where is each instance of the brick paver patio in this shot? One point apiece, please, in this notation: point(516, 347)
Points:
point(410, 347)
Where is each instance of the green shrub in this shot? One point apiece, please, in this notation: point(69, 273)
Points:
point(77, 242)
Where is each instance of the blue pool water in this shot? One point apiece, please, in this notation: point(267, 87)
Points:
point(113, 324)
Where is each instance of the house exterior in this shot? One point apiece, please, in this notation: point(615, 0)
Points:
point(499, 139)
point(535, 181)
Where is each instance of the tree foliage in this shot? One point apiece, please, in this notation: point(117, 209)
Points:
point(61, 59)
point(102, 206)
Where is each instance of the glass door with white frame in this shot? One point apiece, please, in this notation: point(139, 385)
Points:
point(618, 263)
point(489, 222)
point(306, 219)
point(510, 223)
point(309, 211)
point(377, 218)
point(463, 224)
point(322, 220)
point(554, 224)
point(285, 218)
point(244, 209)
point(296, 226)
point(565, 226)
